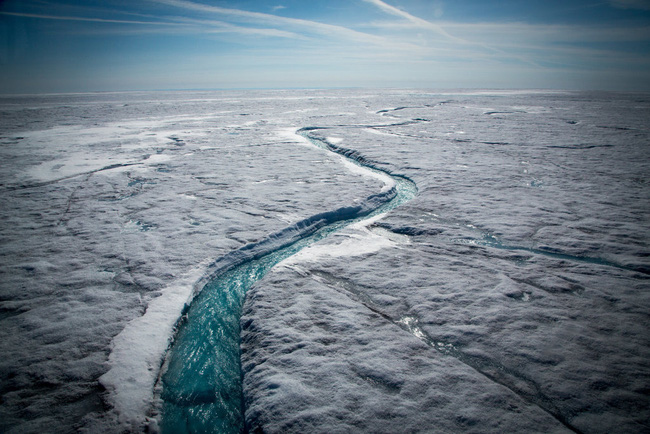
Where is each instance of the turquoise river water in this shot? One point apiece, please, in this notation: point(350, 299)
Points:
point(201, 388)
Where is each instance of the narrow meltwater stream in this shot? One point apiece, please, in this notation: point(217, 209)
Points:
point(200, 387)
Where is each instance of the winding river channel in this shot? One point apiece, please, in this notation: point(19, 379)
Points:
point(200, 388)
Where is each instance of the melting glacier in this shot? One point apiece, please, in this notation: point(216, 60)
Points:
point(510, 295)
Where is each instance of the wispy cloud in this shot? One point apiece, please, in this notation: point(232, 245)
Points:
point(305, 27)
point(216, 26)
point(185, 25)
point(420, 23)
point(85, 19)
point(316, 46)
point(253, 31)
point(548, 44)
point(231, 20)
point(513, 34)
point(417, 22)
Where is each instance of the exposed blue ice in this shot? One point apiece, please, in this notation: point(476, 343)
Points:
point(201, 380)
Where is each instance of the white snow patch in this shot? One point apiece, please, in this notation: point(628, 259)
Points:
point(359, 240)
point(360, 225)
point(289, 217)
point(355, 168)
point(377, 132)
point(289, 134)
point(138, 351)
point(334, 140)
point(158, 158)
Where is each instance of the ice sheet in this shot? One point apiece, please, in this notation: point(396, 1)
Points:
point(101, 251)
point(520, 303)
point(479, 306)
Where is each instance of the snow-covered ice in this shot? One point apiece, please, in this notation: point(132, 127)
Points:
point(510, 295)
point(113, 208)
point(520, 302)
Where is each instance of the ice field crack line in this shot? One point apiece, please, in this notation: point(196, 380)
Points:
point(491, 241)
point(489, 368)
point(486, 239)
point(70, 201)
point(54, 181)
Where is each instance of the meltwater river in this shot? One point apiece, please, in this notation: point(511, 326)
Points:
point(201, 388)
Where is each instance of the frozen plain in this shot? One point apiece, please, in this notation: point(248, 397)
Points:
point(470, 308)
point(484, 316)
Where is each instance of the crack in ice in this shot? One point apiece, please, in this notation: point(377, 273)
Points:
point(496, 372)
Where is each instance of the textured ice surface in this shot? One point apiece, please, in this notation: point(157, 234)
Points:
point(114, 206)
point(200, 383)
point(514, 295)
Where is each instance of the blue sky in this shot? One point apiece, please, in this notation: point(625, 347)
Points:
point(112, 45)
